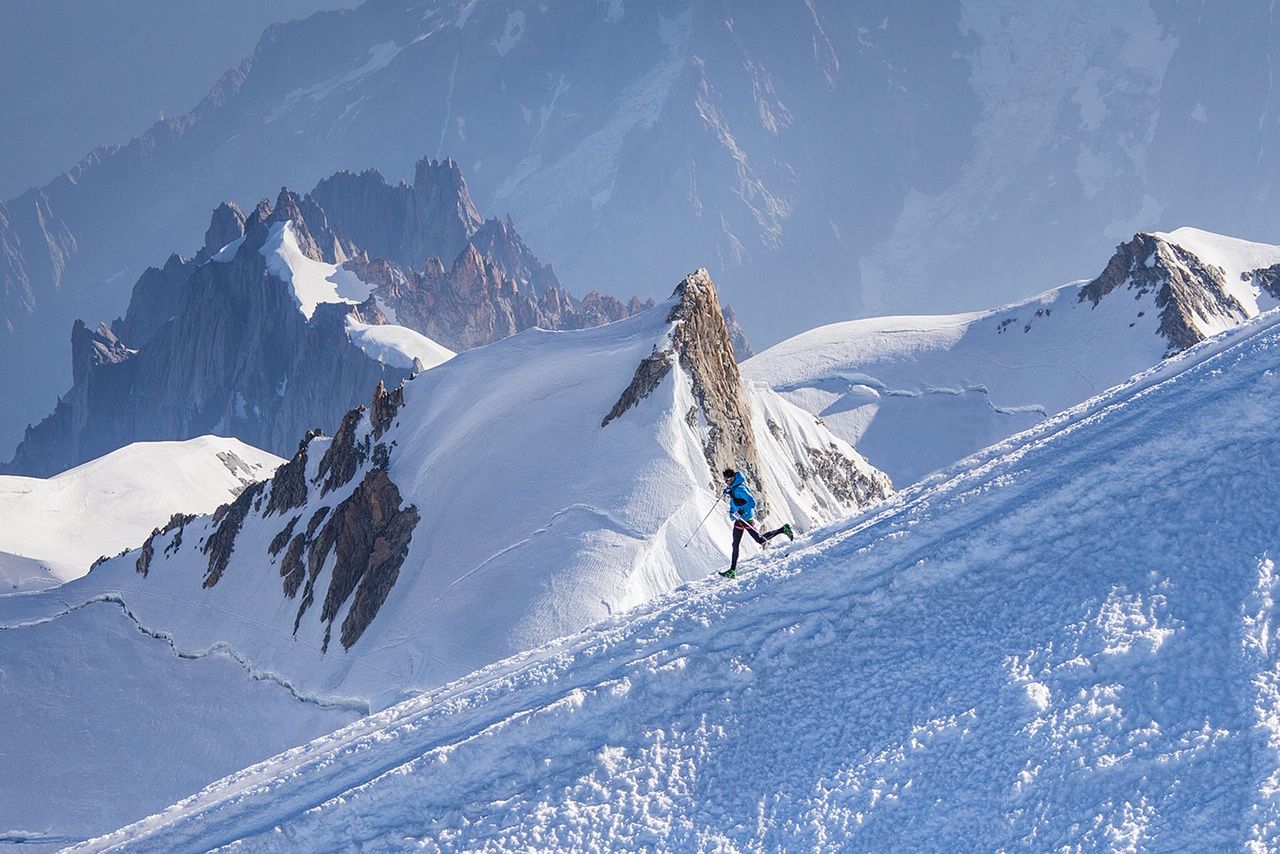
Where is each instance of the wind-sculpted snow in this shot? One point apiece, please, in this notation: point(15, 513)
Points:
point(1065, 641)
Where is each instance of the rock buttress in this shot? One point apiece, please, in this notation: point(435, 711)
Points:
point(700, 341)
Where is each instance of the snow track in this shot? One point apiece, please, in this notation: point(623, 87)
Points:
point(1062, 641)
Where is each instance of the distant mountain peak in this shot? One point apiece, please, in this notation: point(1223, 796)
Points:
point(1193, 296)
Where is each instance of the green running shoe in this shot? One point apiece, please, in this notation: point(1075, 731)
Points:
point(729, 573)
point(786, 529)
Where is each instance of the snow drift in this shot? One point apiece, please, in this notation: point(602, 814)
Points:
point(1067, 641)
point(917, 393)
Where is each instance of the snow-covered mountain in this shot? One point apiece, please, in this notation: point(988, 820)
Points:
point(1068, 644)
point(284, 319)
point(915, 394)
point(514, 494)
point(843, 157)
point(54, 529)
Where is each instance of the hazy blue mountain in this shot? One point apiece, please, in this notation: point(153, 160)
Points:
point(81, 73)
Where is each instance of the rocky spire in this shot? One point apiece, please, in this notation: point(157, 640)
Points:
point(226, 225)
point(699, 340)
point(91, 348)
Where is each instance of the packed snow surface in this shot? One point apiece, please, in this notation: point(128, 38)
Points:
point(1066, 641)
point(52, 529)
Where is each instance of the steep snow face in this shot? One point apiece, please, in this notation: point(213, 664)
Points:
point(55, 528)
point(486, 508)
point(313, 282)
point(915, 394)
point(1067, 644)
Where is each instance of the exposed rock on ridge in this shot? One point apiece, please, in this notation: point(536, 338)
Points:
point(367, 534)
point(1187, 291)
point(700, 342)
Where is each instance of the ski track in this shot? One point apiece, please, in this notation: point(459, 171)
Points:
point(821, 697)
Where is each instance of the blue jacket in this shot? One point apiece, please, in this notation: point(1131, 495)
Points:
point(742, 504)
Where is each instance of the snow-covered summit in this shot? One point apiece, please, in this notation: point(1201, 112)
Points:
point(55, 528)
point(915, 394)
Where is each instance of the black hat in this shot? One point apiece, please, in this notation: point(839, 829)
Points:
point(729, 472)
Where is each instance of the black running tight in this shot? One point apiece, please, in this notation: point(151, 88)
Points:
point(740, 526)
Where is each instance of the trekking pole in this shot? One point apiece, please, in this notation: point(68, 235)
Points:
point(704, 521)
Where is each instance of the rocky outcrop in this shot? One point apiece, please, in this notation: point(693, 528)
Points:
point(843, 478)
point(220, 544)
point(226, 226)
point(383, 409)
point(474, 301)
point(93, 349)
point(405, 224)
point(742, 349)
point(147, 553)
point(1190, 294)
point(156, 297)
point(699, 340)
point(362, 540)
point(369, 534)
point(289, 486)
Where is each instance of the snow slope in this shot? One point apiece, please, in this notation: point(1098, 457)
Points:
point(313, 282)
point(914, 394)
point(54, 528)
point(105, 722)
point(1064, 642)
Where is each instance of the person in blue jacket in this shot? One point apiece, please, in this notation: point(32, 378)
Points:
point(742, 511)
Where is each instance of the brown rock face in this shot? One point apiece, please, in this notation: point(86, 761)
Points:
point(222, 542)
point(345, 455)
point(700, 340)
point(369, 535)
point(177, 522)
point(289, 486)
point(843, 478)
point(385, 405)
point(1184, 287)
